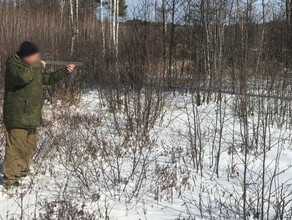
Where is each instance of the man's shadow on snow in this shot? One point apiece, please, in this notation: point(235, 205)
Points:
point(1, 174)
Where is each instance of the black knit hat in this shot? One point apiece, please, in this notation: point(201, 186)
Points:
point(27, 48)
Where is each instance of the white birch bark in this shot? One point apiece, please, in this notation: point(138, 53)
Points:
point(111, 20)
point(62, 8)
point(72, 26)
point(117, 28)
point(71, 12)
point(76, 17)
point(114, 23)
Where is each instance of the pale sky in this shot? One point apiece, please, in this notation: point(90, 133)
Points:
point(132, 3)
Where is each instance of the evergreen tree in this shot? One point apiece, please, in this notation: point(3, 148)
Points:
point(122, 7)
point(94, 4)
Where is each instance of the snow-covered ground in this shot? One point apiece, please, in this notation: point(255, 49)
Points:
point(174, 161)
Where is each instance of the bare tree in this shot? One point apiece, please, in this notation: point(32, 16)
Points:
point(102, 27)
point(289, 11)
point(74, 18)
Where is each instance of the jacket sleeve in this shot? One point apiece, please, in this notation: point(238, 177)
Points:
point(54, 77)
point(19, 75)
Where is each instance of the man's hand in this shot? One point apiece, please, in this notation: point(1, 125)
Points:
point(70, 68)
point(44, 63)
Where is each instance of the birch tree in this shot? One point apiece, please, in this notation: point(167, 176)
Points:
point(111, 20)
point(63, 2)
point(74, 17)
point(114, 25)
point(117, 28)
point(289, 11)
point(114, 22)
point(164, 30)
point(102, 27)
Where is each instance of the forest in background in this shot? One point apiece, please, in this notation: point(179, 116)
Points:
point(195, 44)
point(217, 73)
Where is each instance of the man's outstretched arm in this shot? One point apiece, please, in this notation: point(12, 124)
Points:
point(57, 76)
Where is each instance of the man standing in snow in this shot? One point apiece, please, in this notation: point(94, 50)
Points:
point(23, 101)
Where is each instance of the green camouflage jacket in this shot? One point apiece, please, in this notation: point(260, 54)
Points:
point(24, 99)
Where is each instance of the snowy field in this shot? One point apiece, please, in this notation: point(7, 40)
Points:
point(166, 159)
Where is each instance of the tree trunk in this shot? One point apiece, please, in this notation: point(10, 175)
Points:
point(289, 11)
point(171, 45)
point(111, 21)
point(72, 27)
point(164, 36)
point(74, 17)
point(114, 23)
point(102, 27)
point(117, 28)
point(62, 8)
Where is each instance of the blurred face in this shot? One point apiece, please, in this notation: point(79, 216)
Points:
point(32, 59)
